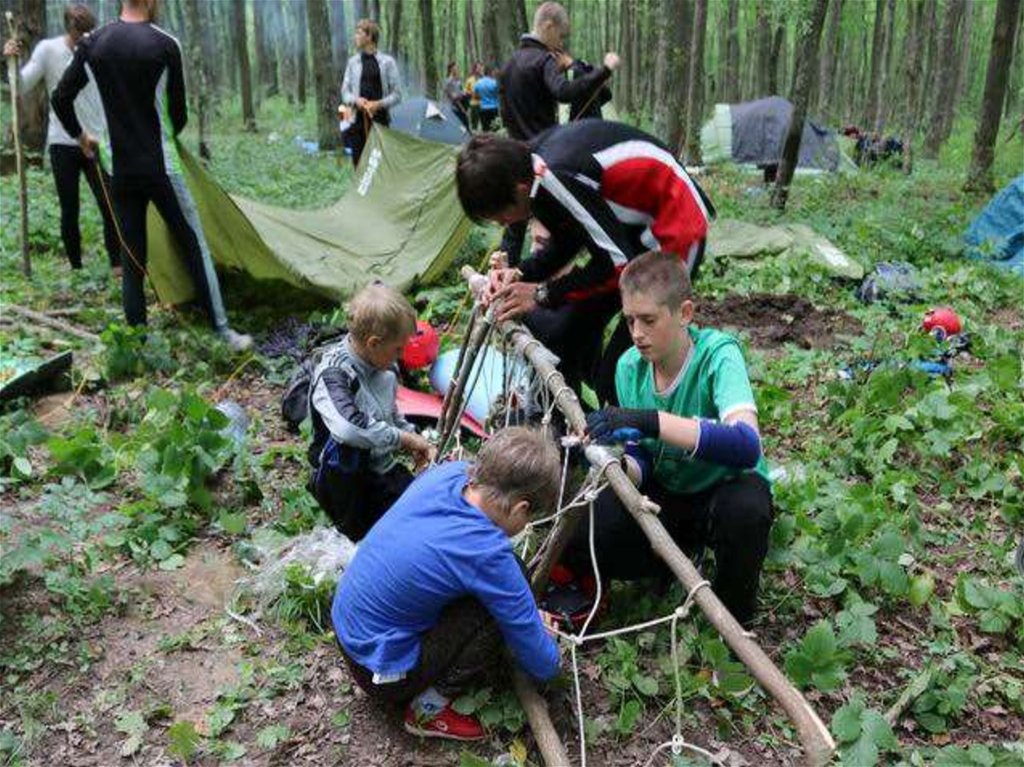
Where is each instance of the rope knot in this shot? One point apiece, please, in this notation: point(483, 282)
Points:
point(571, 440)
point(677, 744)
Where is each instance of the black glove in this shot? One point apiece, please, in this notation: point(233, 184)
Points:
point(618, 424)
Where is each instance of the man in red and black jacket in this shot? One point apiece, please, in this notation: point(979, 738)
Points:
point(596, 185)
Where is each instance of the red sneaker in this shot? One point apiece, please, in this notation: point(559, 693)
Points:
point(447, 723)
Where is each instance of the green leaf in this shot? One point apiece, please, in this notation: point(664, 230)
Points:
point(173, 562)
point(628, 716)
point(846, 722)
point(646, 685)
point(921, 589)
point(269, 737)
point(183, 740)
point(133, 724)
point(232, 524)
point(465, 704)
point(467, 759)
point(231, 751)
point(22, 467)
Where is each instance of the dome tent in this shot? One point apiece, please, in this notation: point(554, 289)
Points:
point(754, 132)
point(429, 120)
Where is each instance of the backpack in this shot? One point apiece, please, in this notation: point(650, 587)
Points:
point(295, 400)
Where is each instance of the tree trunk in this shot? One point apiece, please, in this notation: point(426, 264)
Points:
point(427, 38)
point(695, 91)
point(911, 79)
point(472, 44)
point(885, 97)
point(301, 50)
point(945, 84)
point(323, 74)
point(927, 46)
point(763, 67)
point(979, 177)
point(34, 110)
point(395, 28)
point(339, 38)
point(963, 55)
point(827, 69)
point(1016, 83)
point(491, 42)
point(266, 47)
point(199, 82)
point(806, 63)
point(242, 56)
point(671, 73)
point(359, 11)
point(375, 11)
point(871, 108)
point(777, 71)
point(731, 87)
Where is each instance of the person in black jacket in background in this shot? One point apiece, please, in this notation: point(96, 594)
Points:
point(138, 71)
point(533, 83)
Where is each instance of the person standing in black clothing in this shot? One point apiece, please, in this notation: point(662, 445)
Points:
point(371, 85)
point(533, 83)
point(137, 68)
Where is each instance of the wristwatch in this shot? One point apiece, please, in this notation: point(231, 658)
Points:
point(540, 294)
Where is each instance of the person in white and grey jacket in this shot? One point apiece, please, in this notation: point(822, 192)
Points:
point(371, 85)
point(47, 64)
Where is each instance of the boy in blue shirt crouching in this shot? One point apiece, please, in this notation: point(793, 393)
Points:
point(435, 587)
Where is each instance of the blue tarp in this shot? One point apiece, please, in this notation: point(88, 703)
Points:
point(997, 234)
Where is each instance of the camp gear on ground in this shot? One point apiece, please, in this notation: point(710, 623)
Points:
point(891, 280)
point(752, 134)
point(997, 234)
point(421, 349)
point(20, 377)
point(238, 420)
point(424, 409)
point(485, 382)
point(796, 243)
point(941, 322)
point(400, 222)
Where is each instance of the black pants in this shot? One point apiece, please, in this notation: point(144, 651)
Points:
point(68, 164)
point(174, 203)
point(464, 647)
point(487, 118)
point(732, 518)
point(474, 116)
point(356, 500)
point(355, 137)
point(575, 332)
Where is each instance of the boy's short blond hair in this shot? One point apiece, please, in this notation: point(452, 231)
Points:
point(379, 310)
point(371, 28)
point(519, 464)
point(662, 276)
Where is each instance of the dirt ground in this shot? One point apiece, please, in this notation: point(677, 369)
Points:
point(771, 320)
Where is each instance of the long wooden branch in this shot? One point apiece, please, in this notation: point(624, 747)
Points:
point(814, 735)
point(50, 322)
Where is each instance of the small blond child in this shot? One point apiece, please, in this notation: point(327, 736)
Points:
point(357, 429)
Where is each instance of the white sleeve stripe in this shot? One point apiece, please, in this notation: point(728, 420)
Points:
point(635, 149)
point(741, 407)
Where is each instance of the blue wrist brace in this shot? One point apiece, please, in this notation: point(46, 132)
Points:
point(736, 445)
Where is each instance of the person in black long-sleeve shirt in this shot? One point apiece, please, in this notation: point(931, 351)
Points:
point(137, 68)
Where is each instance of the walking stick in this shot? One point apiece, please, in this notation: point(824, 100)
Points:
point(19, 163)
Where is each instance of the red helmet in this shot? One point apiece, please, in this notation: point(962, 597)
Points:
point(421, 349)
point(941, 322)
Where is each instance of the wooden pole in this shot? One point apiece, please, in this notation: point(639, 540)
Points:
point(19, 161)
point(50, 322)
point(814, 736)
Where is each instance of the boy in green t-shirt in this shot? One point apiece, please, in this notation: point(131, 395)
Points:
point(690, 423)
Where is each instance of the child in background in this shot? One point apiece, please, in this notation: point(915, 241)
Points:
point(357, 429)
point(685, 395)
point(486, 89)
point(435, 587)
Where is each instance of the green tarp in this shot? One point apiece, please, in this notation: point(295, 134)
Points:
point(400, 222)
point(730, 238)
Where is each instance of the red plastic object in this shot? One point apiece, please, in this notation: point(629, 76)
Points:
point(942, 322)
point(417, 404)
point(421, 349)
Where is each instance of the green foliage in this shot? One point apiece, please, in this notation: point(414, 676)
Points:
point(944, 700)
point(863, 734)
point(498, 709)
point(86, 455)
point(998, 609)
point(183, 740)
point(133, 351)
point(818, 661)
point(19, 430)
